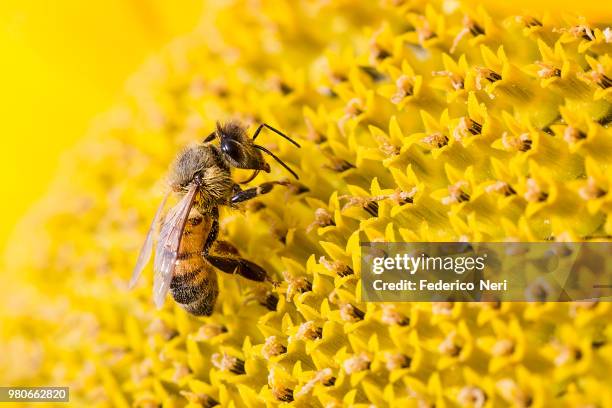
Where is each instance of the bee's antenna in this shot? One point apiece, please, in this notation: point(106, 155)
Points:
point(278, 160)
point(278, 132)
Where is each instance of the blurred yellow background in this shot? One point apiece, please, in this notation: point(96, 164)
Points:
point(62, 62)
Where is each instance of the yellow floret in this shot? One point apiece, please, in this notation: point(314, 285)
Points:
point(417, 123)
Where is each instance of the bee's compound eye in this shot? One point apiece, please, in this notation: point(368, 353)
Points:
point(232, 149)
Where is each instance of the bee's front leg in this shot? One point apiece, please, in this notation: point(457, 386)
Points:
point(253, 192)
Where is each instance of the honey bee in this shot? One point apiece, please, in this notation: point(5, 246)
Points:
point(188, 253)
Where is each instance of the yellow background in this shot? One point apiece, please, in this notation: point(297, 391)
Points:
point(63, 61)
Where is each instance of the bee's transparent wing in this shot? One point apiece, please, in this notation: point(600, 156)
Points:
point(167, 249)
point(147, 247)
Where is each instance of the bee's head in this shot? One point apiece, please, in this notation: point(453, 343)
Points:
point(238, 150)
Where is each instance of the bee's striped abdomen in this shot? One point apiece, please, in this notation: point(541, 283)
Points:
point(194, 284)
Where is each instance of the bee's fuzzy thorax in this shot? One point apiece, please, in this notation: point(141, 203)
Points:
point(213, 172)
point(187, 163)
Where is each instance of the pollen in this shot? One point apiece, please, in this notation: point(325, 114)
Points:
point(354, 107)
point(456, 193)
point(391, 316)
point(337, 267)
point(357, 363)
point(404, 86)
point(520, 143)
point(456, 79)
point(591, 190)
point(278, 386)
point(350, 313)
point(324, 377)
point(397, 361)
point(296, 285)
point(534, 192)
point(467, 127)
point(226, 362)
point(573, 135)
point(436, 139)
point(503, 347)
point(309, 331)
point(483, 74)
point(500, 187)
point(273, 347)
point(450, 346)
point(472, 396)
point(323, 218)
point(210, 331)
point(547, 70)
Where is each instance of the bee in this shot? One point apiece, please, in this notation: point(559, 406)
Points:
point(187, 252)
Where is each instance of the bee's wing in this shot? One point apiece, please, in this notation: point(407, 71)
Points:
point(167, 249)
point(147, 247)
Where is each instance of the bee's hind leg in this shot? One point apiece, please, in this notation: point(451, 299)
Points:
point(264, 188)
point(221, 247)
point(239, 266)
point(226, 257)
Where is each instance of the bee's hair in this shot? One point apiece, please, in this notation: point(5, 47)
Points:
point(217, 185)
point(189, 161)
point(216, 177)
point(232, 129)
